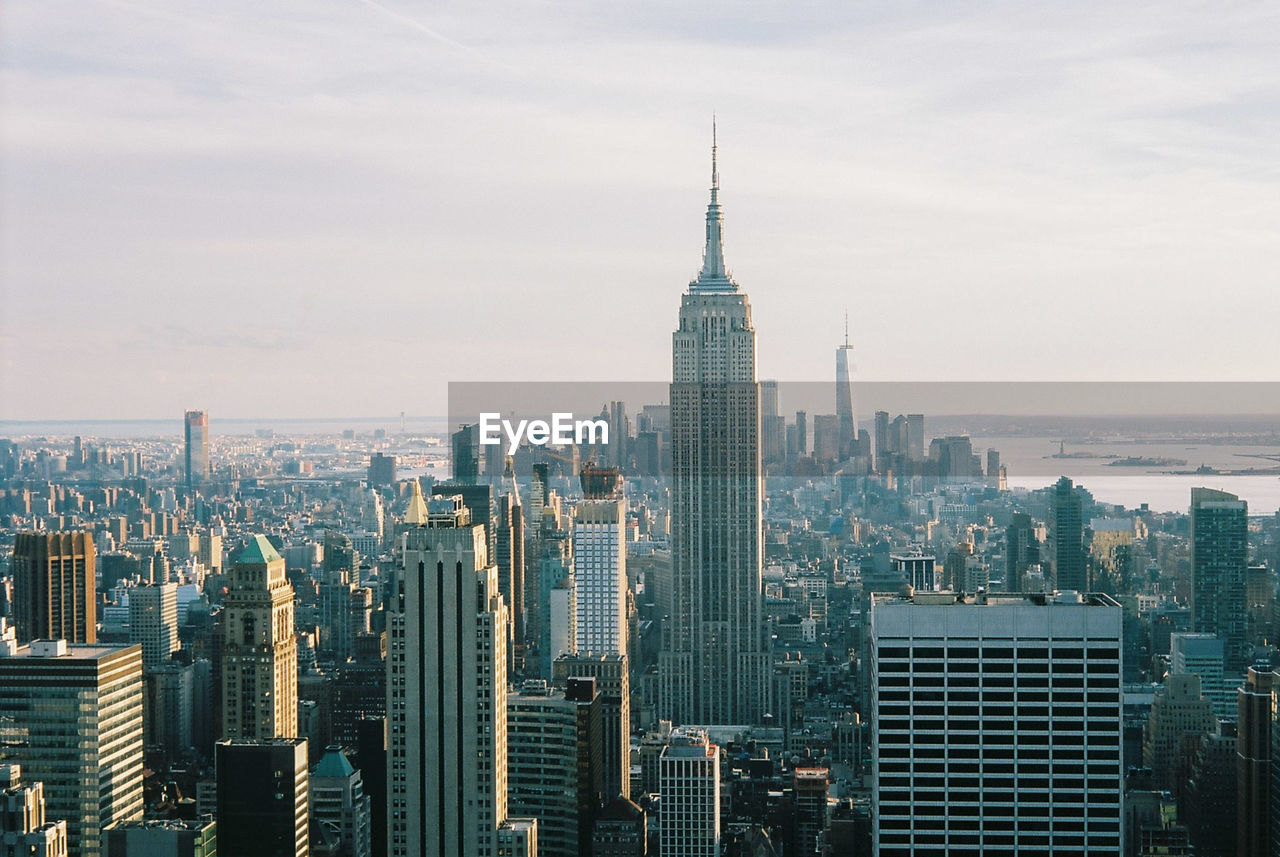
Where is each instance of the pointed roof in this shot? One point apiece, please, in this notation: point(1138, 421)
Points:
point(714, 277)
point(416, 513)
point(334, 765)
point(259, 551)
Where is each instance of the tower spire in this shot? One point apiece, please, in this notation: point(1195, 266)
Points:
point(714, 277)
point(846, 328)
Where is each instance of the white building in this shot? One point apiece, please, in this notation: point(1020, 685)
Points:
point(996, 724)
point(600, 569)
point(153, 621)
point(446, 691)
point(1203, 655)
point(689, 783)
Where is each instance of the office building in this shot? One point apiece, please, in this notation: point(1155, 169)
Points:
point(465, 459)
point(340, 809)
point(612, 676)
point(1179, 709)
point(554, 770)
point(508, 544)
point(1219, 547)
point(260, 654)
point(1256, 717)
point(518, 837)
point(1203, 655)
point(996, 724)
point(809, 785)
point(1067, 537)
point(72, 719)
point(263, 797)
point(382, 470)
point(621, 830)
point(25, 828)
point(916, 568)
point(197, 448)
point(716, 668)
point(54, 587)
point(846, 414)
point(446, 688)
point(153, 622)
point(1021, 550)
point(600, 564)
point(689, 782)
point(169, 837)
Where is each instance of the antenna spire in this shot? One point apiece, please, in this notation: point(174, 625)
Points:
point(846, 328)
point(714, 277)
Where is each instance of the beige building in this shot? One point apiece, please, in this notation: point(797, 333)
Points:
point(1179, 709)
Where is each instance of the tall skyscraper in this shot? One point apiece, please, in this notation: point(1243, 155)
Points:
point(1022, 550)
point(1257, 714)
point(260, 656)
point(996, 724)
point(54, 587)
point(197, 447)
point(613, 679)
point(263, 797)
point(446, 688)
point(509, 551)
point(71, 716)
point(465, 460)
point(600, 564)
point(153, 622)
point(716, 668)
point(845, 412)
point(1203, 654)
point(1068, 537)
point(689, 782)
point(1178, 709)
point(339, 807)
point(1219, 546)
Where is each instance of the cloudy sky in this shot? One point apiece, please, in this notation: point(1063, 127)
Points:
point(334, 207)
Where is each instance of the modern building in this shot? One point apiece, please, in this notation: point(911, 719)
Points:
point(197, 447)
point(996, 724)
point(1067, 537)
point(382, 470)
point(446, 688)
point(1021, 550)
point(554, 770)
point(1203, 654)
point(54, 587)
point(260, 655)
point(1254, 748)
point(263, 797)
point(846, 414)
point(600, 564)
point(71, 717)
point(339, 807)
point(170, 837)
point(612, 676)
point(153, 622)
point(25, 829)
point(716, 668)
point(809, 785)
point(917, 568)
point(689, 783)
point(1219, 547)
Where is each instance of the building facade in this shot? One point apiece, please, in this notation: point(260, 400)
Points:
point(600, 564)
point(1219, 547)
point(196, 424)
point(54, 587)
point(689, 782)
point(263, 797)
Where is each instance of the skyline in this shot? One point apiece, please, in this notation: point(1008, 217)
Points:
point(196, 209)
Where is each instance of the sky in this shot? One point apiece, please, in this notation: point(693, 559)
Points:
point(310, 208)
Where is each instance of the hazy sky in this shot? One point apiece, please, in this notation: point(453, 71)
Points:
point(334, 207)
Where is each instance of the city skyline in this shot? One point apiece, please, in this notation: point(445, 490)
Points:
point(1070, 171)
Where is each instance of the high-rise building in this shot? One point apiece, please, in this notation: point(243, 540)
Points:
point(1203, 654)
point(809, 785)
point(446, 688)
point(689, 782)
point(153, 622)
point(339, 807)
point(25, 829)
point(600, 564)
point(996, 724)
point(620, 830)
point(1257, 714)
point(382, 470)
point(1022, 550)
point(167, 837)
point(1179, 709)
point(1067, 522)
point(1219, 546)
point(465, 448)
point(845, 412)
point(716, 668)
point(72, 718)
point(554, 771)
point(509, 551)
point(612, 676)
point(197, 447)
point(54, 587)
point(802, 433)
point(263, 797)
point(260, 654)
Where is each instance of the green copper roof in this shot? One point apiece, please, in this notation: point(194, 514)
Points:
point(334, 765)
point(258, 551)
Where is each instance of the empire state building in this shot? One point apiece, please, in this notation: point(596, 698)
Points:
point(714, 668)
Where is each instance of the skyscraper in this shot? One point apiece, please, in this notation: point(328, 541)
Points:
point(1219, 545)
point(716, 668)
point(54, 587)
point(338, 804)
point(845, 412)
point(197, 447)
point(24, 827)
point(600, 564)
point(153, 621)
point(260, 656)
point(996, 724)
point(263, 797)
point(1257, 713)
point(613, 679)
point(1068, 537)
point(689, 782)
point(72, 718)
point(446, 688)
point(1022, 550)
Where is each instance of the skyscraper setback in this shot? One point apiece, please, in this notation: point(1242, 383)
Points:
point(716, 668)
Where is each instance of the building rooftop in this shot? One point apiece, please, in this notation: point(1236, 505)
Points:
point(259, 551)
point(334, 765)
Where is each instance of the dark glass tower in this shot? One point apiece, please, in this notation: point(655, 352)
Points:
point(1219, 543)
point(1068, 537)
